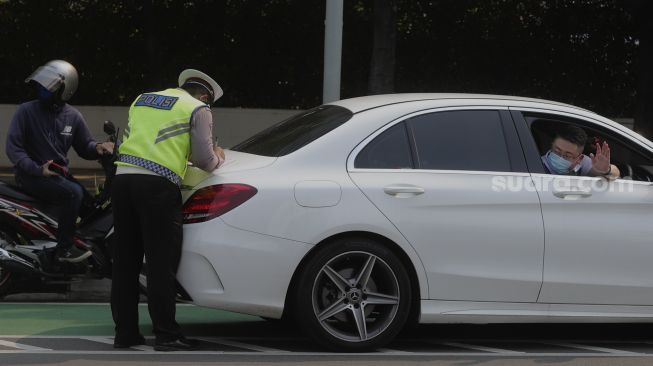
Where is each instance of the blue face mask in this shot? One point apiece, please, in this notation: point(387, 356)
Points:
point(558, 164)
point(44, 94)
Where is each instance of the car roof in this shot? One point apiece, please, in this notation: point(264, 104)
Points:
point(360, 104)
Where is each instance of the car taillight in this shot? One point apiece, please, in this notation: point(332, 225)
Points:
point(210, 202)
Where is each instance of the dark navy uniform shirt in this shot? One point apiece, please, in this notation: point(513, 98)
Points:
point(39, 133)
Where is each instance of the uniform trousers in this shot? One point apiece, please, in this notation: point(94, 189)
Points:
point(148, 222)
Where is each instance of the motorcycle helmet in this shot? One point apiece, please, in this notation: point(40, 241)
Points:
point(58, 77)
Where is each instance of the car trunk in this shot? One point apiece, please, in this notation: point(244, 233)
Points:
point(235, 162)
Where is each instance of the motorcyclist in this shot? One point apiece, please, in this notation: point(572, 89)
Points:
point(41, 133)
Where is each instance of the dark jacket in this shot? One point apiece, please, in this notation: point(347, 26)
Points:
point(39, 132)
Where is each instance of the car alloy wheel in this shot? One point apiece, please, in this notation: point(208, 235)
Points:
point(355, 295)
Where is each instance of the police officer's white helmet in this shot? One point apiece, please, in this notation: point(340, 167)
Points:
point(55, 75)
point(216, 91)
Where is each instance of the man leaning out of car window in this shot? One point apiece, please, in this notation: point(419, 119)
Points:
point(566, 156)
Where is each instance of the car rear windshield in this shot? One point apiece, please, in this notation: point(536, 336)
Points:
point(295, 132)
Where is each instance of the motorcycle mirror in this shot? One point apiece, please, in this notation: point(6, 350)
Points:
point(109, 127)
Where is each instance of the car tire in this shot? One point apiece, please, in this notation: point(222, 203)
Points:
point(353, 295)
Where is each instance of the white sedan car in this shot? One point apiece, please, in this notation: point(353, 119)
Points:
point(360, 216)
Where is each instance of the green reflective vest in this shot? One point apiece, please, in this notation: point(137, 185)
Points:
point(158, 135)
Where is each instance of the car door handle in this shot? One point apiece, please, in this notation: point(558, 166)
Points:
point(572, 193)
point(403, 191)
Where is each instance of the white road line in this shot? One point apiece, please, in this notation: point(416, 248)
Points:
point(534, 340)
point(179, 304)
point(143, 347)
point(21, 346)
point(479, 348)
point(233, 343)
point(240, 342)
point(393, 351)
point(596, 349)
point(109, 340)
point(285, 339)
point(60, 303)
point(38, 336)
point(103, 340)
point(333, 354)
point(238, 338)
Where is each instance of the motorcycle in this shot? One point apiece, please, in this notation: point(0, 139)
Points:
point(28, 230)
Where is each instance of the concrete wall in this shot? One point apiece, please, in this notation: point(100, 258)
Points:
point(230, 125)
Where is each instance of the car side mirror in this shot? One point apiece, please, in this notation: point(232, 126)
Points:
point(109, 128)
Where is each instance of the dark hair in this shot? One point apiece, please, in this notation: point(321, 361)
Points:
point(198, 87)
point(573, 134)
point(195, 89)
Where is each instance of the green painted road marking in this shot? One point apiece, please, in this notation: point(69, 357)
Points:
point(95, 319)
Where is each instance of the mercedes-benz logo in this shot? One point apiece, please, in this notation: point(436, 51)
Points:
point(355, 296)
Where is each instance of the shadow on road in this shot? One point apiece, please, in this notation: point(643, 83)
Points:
point(447, 332)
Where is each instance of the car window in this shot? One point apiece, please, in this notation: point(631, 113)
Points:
point(634, 162)
point(295, 132)
point(460, 140)
point(389, 150)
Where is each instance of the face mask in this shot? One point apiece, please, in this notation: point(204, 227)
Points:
point(557, 163)
point(44, 94)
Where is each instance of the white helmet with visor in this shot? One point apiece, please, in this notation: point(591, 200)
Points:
point(57, 76)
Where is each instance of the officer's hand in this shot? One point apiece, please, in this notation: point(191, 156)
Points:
point(104, 148)
point(45, 169)
point(219, 152)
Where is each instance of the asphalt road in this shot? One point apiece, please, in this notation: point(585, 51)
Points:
point(75, 328)
point(77, 334)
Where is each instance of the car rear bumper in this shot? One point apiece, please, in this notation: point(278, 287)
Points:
point(232, 269)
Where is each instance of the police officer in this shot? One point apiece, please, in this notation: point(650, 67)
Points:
point(41, 133)
point(165, 129)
